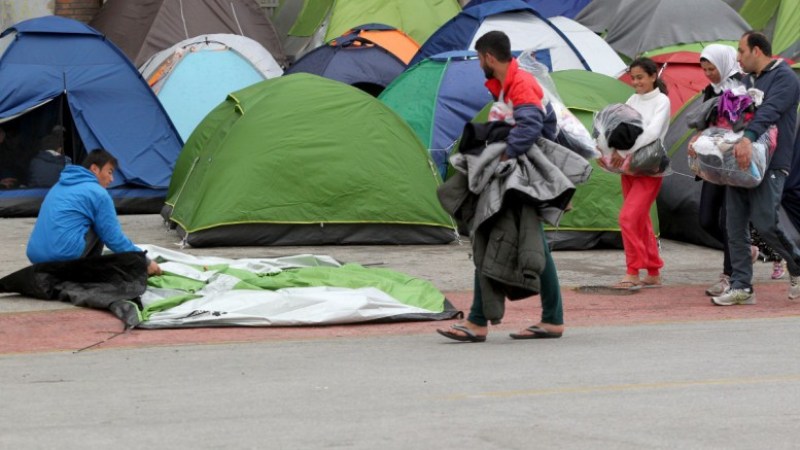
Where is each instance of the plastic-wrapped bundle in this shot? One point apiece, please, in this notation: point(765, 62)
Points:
point(616, 127)
point(715, 160)
point(650, 160)
point(571, 132)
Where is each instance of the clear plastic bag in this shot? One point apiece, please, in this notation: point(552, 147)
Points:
point(715, 162)
point(571, 132)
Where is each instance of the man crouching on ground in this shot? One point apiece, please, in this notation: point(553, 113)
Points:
point(77, 217)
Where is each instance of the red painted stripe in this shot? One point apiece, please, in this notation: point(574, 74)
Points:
point(74, 329)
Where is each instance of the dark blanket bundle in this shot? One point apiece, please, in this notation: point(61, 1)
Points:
point(108, 282)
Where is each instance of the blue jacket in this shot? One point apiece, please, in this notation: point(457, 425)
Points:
point(781, 95)
point(74, 204)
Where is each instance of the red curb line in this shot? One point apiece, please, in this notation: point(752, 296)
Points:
point(78, 328)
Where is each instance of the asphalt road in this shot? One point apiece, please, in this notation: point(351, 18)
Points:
point(721, 384)
point(650, 378)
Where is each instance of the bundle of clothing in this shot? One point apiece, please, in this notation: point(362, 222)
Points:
point(502, 204)
point(616, 127)
point(715, 161)
point(728, 115)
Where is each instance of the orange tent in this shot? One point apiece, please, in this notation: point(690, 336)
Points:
point(391, 39)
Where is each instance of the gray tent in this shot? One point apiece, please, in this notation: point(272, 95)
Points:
point(636, 26)
point(141, 28)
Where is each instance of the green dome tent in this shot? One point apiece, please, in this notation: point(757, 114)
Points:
point(593, 220)
point(779, 19)
point(302, 160)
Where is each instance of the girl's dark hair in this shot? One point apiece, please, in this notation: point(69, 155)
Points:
point(649, 66)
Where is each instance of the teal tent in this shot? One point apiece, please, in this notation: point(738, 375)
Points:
point(195, 75)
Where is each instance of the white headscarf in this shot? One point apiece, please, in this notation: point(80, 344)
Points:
point(723, 58)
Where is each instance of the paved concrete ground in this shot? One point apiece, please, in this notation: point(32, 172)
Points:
point(661, 368)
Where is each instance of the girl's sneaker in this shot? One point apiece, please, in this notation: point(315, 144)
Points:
point(778, 271)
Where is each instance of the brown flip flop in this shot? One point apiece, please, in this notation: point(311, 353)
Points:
point(536, 333)
point(470, 335)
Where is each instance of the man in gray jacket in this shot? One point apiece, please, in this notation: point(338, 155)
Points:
point(522, 93)
point(760, 205)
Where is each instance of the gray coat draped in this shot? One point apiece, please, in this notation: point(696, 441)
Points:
point(502, 204)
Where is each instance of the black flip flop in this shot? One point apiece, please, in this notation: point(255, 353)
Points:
point(470, 335)
point(536, 333)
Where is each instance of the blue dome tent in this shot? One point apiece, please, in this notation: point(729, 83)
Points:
point(547, 8)
point(448, 91)
point(354, 60)
point(60, 72)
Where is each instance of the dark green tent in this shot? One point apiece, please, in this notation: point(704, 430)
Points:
point(303, 160)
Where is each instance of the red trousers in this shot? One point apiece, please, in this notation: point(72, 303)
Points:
point(638, 239)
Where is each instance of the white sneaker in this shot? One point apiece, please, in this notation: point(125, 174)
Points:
point(794, 287)
point(737, 297)
point(720, 287)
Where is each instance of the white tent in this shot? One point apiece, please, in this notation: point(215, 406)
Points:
point(567, 40)
point(570, 45)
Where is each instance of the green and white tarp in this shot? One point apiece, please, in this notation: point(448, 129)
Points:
point(203, 291)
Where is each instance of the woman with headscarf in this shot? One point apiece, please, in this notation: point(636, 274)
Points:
point(722, 70)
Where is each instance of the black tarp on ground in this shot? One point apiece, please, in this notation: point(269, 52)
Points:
point(110, 282)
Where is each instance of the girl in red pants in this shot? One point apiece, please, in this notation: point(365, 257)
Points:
point(639, 192)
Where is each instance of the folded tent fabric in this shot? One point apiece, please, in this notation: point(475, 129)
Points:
point(213, 291)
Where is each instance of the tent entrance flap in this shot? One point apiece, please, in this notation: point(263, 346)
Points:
point(26, 111)
point(47, 126)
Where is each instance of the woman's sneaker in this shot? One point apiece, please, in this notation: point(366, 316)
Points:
point(735, 297)
point(720, 287)
point(777, 270)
